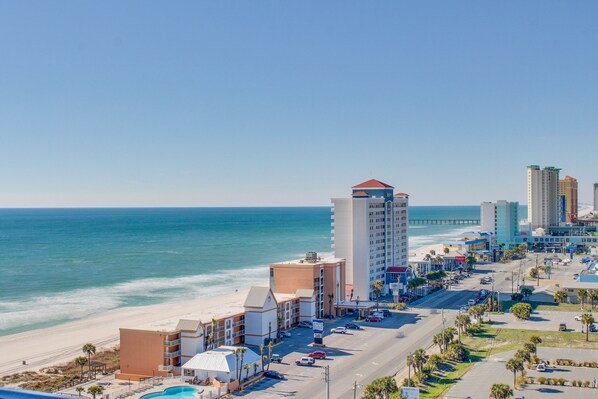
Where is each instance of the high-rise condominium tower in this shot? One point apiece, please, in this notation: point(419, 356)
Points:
point(370, 230)
point(568, 188)
point(543, 196)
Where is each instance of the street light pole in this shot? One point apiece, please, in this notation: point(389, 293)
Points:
point(327, 381)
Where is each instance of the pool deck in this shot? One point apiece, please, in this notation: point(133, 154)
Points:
point(114, 388)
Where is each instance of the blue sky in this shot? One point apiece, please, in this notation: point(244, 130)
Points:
point(291, 103)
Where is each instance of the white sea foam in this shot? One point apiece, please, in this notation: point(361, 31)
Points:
point(80, 303)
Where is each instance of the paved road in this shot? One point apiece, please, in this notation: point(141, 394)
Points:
point(377, 350)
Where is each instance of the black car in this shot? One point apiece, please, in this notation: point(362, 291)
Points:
point(386, 313)
point(273, 374)
point(352, 326)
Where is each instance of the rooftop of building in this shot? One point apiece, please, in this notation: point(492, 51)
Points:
point(307, 262)
point(372, 183)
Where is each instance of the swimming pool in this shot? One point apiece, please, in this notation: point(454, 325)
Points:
point(173, 393)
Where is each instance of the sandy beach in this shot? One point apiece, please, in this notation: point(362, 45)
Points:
point(59, 344)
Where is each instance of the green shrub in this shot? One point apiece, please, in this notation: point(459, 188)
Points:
point(562, 381)
point(586, 384)
point(542, 380)
point(574, 383)
point(530, 380)
point(521, 311)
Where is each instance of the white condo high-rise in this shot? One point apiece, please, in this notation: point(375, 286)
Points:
point(543, 196)
point(595, 197)
point(370, 230)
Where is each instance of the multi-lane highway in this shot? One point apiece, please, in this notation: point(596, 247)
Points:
point(377, 350)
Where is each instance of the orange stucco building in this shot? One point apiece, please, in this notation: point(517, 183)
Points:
point(325, 276)
point(147, 353)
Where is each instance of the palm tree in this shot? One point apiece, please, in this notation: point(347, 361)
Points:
point(593, 296)
point(476, 311)
point(514, 365)
point(534, 339)
point(419, 359)
point(269, 353)
point(530, 347)
point(236, 353)
point(377, 288)
point(560, 296)
point(256, 366)
point(214, 333)
point(587, 319)
point(79, 390)
point(89, 350)
point(330, 298)
point(409, 361)
point(262, 355)
point(523, 355)
point(501, 391)
point(242, 353)
point(446, 250)
point(247, 367)
point(95, 390)
point(462, 322)
point(582, 295)
point(81, 361)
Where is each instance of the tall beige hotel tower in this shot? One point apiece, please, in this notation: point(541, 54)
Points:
point(543, 196)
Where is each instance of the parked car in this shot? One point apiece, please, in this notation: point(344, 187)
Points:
point(304, 324)
point(575, 276)
point(339, 330)
point(378, 314)
point(463, 308)
point(305, 361)
point(404, 298)
point(373, 319)
point(592, 328)
point(352, 326)
point(285, 334)
point(541, 367)
point(471, 302)
point(562, 327)
point(276, 358)
point(578, 317)
point(317, 355)
point(386, 313)
point(273, 374)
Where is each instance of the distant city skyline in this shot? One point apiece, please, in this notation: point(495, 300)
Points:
point(144, 104)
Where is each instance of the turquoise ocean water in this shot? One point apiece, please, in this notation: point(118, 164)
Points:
point(58, 265)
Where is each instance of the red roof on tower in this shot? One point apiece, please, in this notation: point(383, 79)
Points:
point(396, 269)
point(360, 194)
point(373, 183)
point(401, 195)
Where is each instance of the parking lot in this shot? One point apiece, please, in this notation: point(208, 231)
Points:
point(477, 382)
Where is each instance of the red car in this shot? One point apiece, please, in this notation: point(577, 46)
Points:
point(373, 319)
point(317, 355)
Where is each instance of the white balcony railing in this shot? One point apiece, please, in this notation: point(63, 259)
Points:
point(162, 367)
point(173, 342)
point(172, 354)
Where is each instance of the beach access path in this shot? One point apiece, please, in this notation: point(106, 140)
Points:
point(54, 345)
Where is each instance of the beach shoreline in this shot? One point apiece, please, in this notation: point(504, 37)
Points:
point(58, 344)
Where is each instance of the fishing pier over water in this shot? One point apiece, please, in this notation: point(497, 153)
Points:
point(444, 221)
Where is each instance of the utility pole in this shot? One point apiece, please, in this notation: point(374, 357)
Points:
point(537, 272)
point(512, 278)
point(443, 340)
point(327, 381)
point(354, 389)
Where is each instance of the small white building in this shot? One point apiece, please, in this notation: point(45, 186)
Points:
point(221, 364)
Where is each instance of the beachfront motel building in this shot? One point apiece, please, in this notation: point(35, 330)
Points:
point(370, 231)
point(299, 291)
